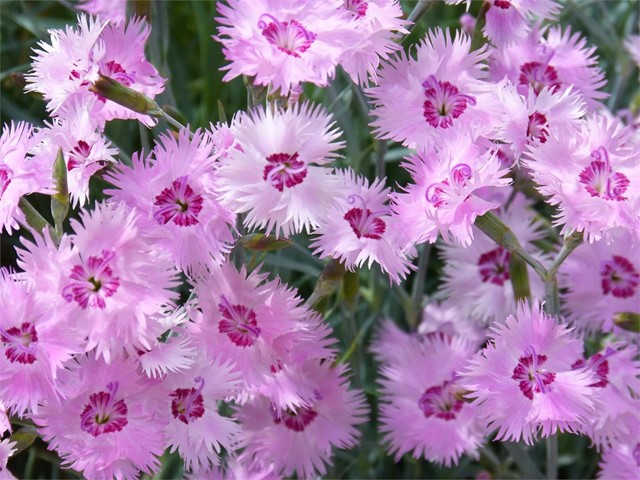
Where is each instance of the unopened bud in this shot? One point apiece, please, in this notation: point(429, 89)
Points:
point(122, 95)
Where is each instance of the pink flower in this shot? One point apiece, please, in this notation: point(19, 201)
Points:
point(174, 191)
point(72, 61)
point(622, 460)
point(632, 44)
point(35, 342)
point(423, 411)
point(108, 425)
point(476, 278)
point(300, 441)
point(359, 228)
point(277, 174)
point(446, 319)
point(447, 192)
point(7, 449)
point(523, 383)
point(372, 33)
point(547, 57)
point(595, 184)
point(22, 171)
point(113, 10)
point(280, 43)
point(508, 21)
point(601, 279)
point(420, 100)
point(195, 428)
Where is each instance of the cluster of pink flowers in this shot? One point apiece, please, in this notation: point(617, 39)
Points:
point(113, 367)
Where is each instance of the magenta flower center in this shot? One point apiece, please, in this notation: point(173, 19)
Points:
point(114, 70)
point(20, 343)
point(530, 375)
point(537, 127)
point(440, 401)
point(357, 7)
point(494, 266)
point(6, 174)
point(290, 37)
point(239, 323)
point(178, 203)
point(636, 454)
point(600, 180)
point(441, 193)
point(79, 155)
point(598, 365)
point(93, 282)
point(187, 404)
point(365, 224)
point(296, 421)
point(619, 277)
point(284, 170)
point(103, 414)
point(539, 76)
point(504, 4)
point(443, 102)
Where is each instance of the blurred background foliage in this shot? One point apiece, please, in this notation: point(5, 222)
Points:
point(182, 49)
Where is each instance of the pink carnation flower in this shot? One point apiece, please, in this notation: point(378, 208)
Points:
point(549, 57)
point(300, 440)
point(422, 409)
point(22, 171)
point(72, 61)
point(601, 279)
point(447, 190)
point(174, 191)
point(359, 228)
point(277, 175)
point(7, 449)
point(595, 185)
point(195, 427)
point(372, 33)
point(508, 21)
point(35, 342)
point(476, 278)
point(447, 319)
point(523, 382)
point(281, 42)
point(113, 10)
point(622, 460)
point(108, 425)
point(420, 100)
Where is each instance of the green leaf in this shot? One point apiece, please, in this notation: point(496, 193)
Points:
point(264, 243)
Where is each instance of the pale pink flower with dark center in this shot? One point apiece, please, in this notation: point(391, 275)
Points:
point(262, 327)
point(438, 93)
point(174, 190)
point(300, 440)
point(447, 190)
point(551, 58)
point(423, 411)
point(23, 170)
point(374, 27)
point(508, 21)
point(281, 43)
point(277, 173)
point(76, 56)
point(601, 279)
point(523, 382)
point(109, 424)
point(476, 278)
point(359, 228)
point(594, 186)
point(35, 342)
point(196, 429)
point(622, 460)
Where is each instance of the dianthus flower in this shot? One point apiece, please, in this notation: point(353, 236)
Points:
point(371, 34)
point(22, 171)
point(595, 184)
point(446, 193)
point(76, 56)
point(196, 429)
point(440, 92)
point(300, 440)
point(174, 191)
point(476, 278)
point(281, 42)
point(622, 460)
point(108, 425)
point(234, 468)
point(600, 280)
point(447, 319)
point(359, 228)
point(112, 10)
point(277, 175)
point(7, 449)
point(35, 341)
point(261, 326)
point(422, 409)
point(508, 21)
point(549, 57)
point(523, 382)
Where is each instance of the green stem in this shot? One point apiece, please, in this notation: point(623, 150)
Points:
point(418, 286)
point(572, 242)
point(552, 457)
